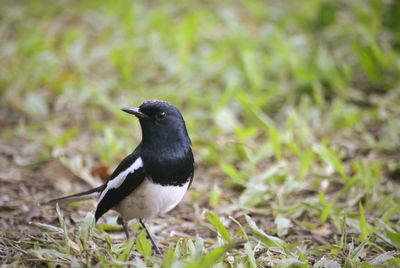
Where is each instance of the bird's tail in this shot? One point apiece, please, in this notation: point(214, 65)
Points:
point(93, 193)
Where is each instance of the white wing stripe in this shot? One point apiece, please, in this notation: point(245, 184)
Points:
point(120, 178)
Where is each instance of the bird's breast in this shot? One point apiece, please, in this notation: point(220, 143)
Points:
point(151, 199)
point(169, 167)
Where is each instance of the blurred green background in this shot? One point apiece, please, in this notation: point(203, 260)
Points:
point(292, 107)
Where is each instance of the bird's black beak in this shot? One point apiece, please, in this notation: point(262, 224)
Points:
point(135, 111)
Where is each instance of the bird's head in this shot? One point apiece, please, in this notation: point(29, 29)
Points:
point(161, 123)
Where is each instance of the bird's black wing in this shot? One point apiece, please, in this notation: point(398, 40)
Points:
point(126, 178)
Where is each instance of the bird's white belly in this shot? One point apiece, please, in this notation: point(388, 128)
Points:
point(150, 199)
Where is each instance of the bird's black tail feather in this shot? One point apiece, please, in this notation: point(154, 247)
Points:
point(92, 193)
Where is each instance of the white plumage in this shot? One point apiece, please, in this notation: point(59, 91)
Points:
point(150, 199)
point(118, 180)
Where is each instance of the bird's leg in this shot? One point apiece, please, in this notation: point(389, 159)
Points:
point(124, 224)
point(151, 239)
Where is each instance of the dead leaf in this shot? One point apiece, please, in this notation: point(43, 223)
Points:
point(60, 176)
point(100, 171)
point(322, 230)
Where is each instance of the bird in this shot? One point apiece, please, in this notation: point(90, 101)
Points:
point(153, 179)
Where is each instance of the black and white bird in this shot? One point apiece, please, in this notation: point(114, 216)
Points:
point(154, 178)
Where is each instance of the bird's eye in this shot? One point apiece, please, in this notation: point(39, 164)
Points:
point(160, 115)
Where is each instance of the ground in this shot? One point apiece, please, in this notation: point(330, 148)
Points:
point(292, 108)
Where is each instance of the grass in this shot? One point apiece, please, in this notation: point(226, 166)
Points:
point(292, 109)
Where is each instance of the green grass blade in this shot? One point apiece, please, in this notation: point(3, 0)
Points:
point(269, 241)
point(363, 223)
point(143, 244)
point(219, 226)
